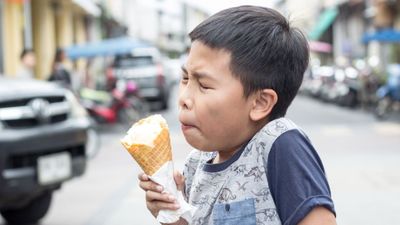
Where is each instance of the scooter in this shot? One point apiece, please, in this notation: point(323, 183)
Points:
point(388, 95)
point(123, 105)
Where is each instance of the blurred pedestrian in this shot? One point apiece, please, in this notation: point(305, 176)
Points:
point(28, 63)
point(251, 164)
point(59, 72)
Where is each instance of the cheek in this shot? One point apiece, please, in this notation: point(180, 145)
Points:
point(220, 117)
point(209, 110)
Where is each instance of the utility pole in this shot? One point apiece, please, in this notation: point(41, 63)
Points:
point(27, 24)
point(184, 24)
point(1, 37)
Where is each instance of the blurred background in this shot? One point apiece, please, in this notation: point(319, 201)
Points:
point(75, 74)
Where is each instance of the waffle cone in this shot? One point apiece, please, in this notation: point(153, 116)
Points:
point(149, 158)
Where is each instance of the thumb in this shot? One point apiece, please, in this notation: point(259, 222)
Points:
point(179, 180)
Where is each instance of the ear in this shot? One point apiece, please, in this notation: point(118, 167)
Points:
point(263, 103)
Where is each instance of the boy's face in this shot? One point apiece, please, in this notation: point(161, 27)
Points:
point(213, 111)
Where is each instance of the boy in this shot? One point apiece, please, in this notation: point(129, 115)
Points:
point(252, 165)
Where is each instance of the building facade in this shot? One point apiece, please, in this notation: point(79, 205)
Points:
point(42, 25)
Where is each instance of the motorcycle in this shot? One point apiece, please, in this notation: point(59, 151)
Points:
point(122, 105)
point(388, 95)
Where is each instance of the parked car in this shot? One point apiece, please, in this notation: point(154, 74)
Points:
point(43, 143)
point(145, 67)
point(334, 84)
point(346, 88)
point(173, 68)
point(316, 83)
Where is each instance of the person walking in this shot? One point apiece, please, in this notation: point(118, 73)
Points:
point(59, 72)
point(28, 63)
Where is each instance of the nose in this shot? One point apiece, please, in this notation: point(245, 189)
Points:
point(185, 98)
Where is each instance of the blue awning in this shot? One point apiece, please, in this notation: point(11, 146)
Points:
point(387, 35)
point(107, 47)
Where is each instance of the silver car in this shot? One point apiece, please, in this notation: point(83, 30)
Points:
point(144, 66)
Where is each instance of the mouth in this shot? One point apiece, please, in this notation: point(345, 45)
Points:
point(187, 122)
point(187, 126)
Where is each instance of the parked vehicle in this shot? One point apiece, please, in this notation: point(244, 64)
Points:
point(173, 68)
point(123, 104)
point(347, 87)
point(317, 82)
point(43, 143)
point(388, 95)
point(145, 67)
point(334, 84)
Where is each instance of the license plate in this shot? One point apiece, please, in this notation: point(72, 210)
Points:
point(53, 168)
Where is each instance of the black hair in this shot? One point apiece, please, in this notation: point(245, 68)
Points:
point(59, 55)
point(25, 52)
point(266, 52)
point(58, 58)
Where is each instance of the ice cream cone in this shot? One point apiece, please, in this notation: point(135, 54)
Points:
point(150, 156)
point(148, 143)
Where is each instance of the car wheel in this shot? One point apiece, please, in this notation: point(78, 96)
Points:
point(30, 213)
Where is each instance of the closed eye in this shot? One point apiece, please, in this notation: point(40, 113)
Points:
point(184, 74)
point(203, 86)
point(184, 79)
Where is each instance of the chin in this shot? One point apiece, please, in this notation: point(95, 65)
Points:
point(198, 144)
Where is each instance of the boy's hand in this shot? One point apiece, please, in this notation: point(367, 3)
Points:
point(156, 200)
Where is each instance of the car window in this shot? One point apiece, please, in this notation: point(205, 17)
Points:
point(134, 61)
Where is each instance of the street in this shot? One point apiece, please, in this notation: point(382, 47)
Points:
point(105, 53)
point(361, 157)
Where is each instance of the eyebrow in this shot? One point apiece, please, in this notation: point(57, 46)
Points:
point(197, 74)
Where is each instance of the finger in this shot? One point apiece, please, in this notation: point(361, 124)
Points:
point(150, 186)
point(143, 177)
point(179, 180)
point(156, 196)
point(158, 205)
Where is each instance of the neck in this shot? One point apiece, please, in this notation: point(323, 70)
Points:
point(222, 156)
